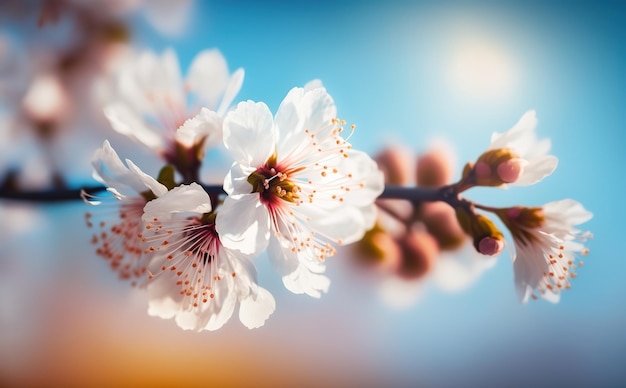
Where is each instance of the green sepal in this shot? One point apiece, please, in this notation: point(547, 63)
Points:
point(166, 177)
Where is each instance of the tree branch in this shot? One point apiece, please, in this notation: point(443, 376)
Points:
point(413, 194)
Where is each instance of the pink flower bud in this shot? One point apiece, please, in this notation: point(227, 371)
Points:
point(378, 249)
point(433, 169)
point(394, 163)
point(420, 251)
point(441, 222)
point(509, 171)
point(482, 170)
point(490, 246)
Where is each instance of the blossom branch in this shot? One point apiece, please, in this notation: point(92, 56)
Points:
point(413, 194)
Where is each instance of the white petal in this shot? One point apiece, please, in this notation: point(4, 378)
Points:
point(346, 224)
point(236, 180)
point(157, 188)
point(233, 87)
point(254, 311)
point(109, 169)
point(225, 311)
point(128, 123)
point(537, 169)
point(106, 157)
point(299, 111)
point(297, 278)
point(313, 84)
point(164, 300)
point(283, 260)
point(303, 281)
point(529, 266)
point(205, 125)
point(249, 134)
point(208, 77)
point(243, 224)
point(523, 291)
point(164, 308)
point(289, 121)
point(526, 124)
point(170, 80)
point(182, 200)
point(364, 170)
point(538, 148)
point(569, 209)
point(552, 297)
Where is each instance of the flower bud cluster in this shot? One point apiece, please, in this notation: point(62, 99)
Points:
point(409, 238)
point(410, 235)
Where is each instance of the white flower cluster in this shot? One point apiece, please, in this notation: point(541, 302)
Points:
point(296, 188)
point(546, 240)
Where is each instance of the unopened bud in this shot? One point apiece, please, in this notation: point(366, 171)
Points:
point(495, 168)
point(442, 224)
point(509, 171)
point(433, 169)
point(490, 246)
point(419, 253)
point(487, 238)
point(377, 248)
point(394, 163)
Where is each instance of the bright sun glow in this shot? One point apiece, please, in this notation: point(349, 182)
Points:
point(478, 68)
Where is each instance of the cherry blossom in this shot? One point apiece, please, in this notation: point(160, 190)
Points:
point(296, 186)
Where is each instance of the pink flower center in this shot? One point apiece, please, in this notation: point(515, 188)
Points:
point(273, 184)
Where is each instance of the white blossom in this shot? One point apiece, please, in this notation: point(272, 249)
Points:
point(158, 108)
point(547, 244)
point(532, 161)
point(118, 222)
point(193, 277)
point(296, 186)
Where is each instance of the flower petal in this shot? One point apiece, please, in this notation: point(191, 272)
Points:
point(243, 224)
point(109, 169)
point(568, 209)
point(525, 124)
point(297, 277)
point(157, 188)
point(233, 87)
point(249, 133)
point(236, 180)
point(128, 123)
point(344, 225)
point(537, 169)
point(205, 125)
point(208, 77)
point(302, 110)
point(255, 309)
point(196, 201)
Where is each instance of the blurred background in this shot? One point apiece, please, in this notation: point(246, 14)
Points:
point(407, 73)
